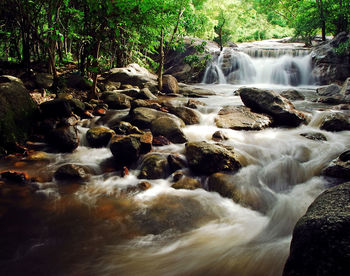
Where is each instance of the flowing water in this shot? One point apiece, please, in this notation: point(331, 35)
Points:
point(101, 229)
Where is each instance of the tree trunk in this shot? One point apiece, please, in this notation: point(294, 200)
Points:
point(323, 20)
point(161, 61)
point(93, 92)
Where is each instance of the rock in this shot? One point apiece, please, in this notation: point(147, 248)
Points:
point(333, 100)
point(293, 95)
point(169, 128)
point(77, 106)
point(146, 94)
point(194, 92)
point(116, 100)
point(64, 139)
point(340, 167)
point(320, 243)
point(188, 115)
point(132, 74)
point(345, 90)
point(98, 137)
point(170, 84)
point(145, 139)
point(154, 166)
point(328, 90)
point(131, 92)
point(143, 117)
point(78, 82)
point(111, 85)
point(160, 141)
point(205, 158)
point(15, 177)
point(219, 136)
point(328, 65)
point(72, 172)
point(187, 183)
point(17, 113)
point(57, 108)
point(125, 128)
point(146, 103)
point(317, 136)
point(271, 103)
point(140, 187)
point(335, 121)
point(225, 185)
point(194, 103)
point(176, 162)
point(125, 150)
point(241, 118)
point(43, 80)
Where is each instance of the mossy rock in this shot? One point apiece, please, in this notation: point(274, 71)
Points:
point(17, 112)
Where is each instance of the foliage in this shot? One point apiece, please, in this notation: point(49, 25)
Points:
point(343, 48)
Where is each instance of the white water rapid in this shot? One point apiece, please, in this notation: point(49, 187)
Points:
point(99, 229)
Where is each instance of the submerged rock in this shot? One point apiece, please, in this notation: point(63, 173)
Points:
point(206, 158)
point(321, 244)
point(271, 103)
point(317, 136)
point(241, 118)
point(340, 167)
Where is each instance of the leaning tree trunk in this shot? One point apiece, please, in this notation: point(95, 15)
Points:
point(161, 61)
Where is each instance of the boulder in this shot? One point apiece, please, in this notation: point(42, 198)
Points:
point(191, 103)
point(57, 108)
point(332, 100)
point(43, 80)
point(72, 172)
point(125, 150)
point(317, 136)
point(98, 137)
point(131, 92)
point(116, 100)
point(188, 115)
point(154, 166)
point(125, 128)
point(328, 64)
point(241, 118)
point(145, 139)
point(340, 167)
point(328, 90)
point(187, 183)
point(77, 81)
point(146, 94)
point(154, 104)
point(206, 158)
point(335, 121)
point(77, 106)
point(293, 95)
point(17, 113)
point(320, 243)
point(345, 90)
point(143, 117)
point(63, 139)
point(170, 84)
point(168, 127)
point(271, 103)
point(132, 74)
point(160, 141)
point(110, 86)
point(176, 162)
point(219, 136)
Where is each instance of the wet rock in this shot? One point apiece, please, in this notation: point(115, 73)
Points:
point(77, 106)
point(58, 108)
point(43, 80)
point(17, 113)
point(140, 187)
point(154, 166)
point(195, 92)
point(125, 128)
point(131, 92)
point(328, 90)
point(219, 136)
point(333, 100)
point(293, 95)
point(335, 121)
point(194, 103)
point(132, 74)
point(160, 141)
point(145, 139)
point(271, 103)
point(146, 94)
point(176, 162)
point(340, 167)
point(15, 177)
point(72, 172)
point(205, 158)
point(98, 137)
point(64, 139)
point(320, 243)
point(170, 84)
point(169, 128)
point(146, 103)
point(345, 90)
point(241, 118)
point(125, 150)
point(317, 136)
point(187, 183)
point(188, 115)
point(143, 117)
point(116, 100)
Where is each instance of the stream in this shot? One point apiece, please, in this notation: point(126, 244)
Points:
point(105, 228)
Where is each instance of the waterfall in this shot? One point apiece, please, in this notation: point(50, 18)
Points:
point(281, 66)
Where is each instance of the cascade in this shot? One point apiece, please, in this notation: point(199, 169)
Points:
point(290, 67)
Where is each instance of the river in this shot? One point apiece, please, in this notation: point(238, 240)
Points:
point(100, 229)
